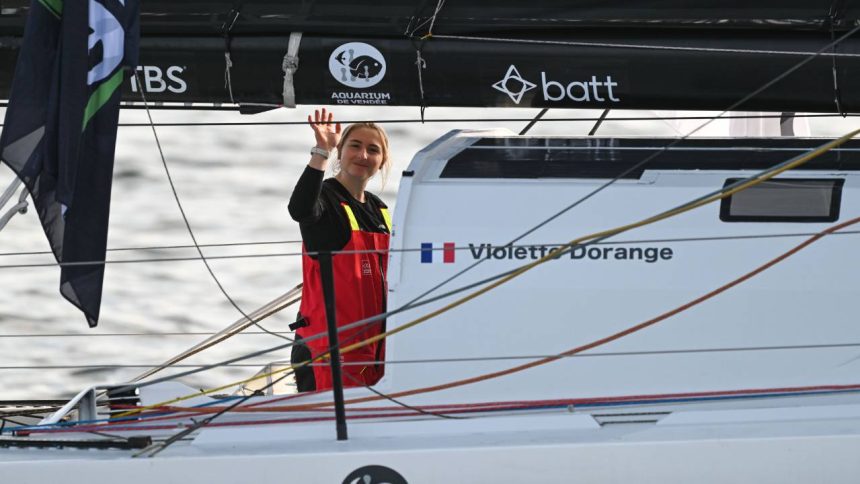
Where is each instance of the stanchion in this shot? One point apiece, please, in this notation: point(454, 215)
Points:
point(327, 276)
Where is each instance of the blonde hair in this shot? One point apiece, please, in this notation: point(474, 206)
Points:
point(386, 166)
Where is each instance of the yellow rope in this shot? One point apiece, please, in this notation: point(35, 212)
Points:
point(527, 267)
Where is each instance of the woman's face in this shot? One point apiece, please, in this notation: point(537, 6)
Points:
point(361, 156)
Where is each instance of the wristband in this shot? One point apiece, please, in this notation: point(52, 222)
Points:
point(316, 150)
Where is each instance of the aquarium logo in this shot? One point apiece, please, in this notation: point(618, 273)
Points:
point(357, 65)
point(448, 252)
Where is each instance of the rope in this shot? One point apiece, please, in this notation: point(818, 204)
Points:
point(290, 64)
point(226, 29)
point(602, 341)
point(263, 407)
point(276, 305)
point(469, 360)
point(398, 402)
point(648, 159)
point(460, 120)
point(626, 332)
point(420, 64)
point(483, 407)
point(166, 247)
point(833, 17)
point(439, 6)
point(188, 224)
point(720, 194)
point(614, 45)
point(417, 249)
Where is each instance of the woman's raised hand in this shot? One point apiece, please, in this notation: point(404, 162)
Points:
point(326, 131)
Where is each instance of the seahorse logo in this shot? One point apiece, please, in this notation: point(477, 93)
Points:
point(357, 64)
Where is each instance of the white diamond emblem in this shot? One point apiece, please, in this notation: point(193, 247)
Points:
point(514, 85)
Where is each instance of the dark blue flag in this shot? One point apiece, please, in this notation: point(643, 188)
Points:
point(60, 129)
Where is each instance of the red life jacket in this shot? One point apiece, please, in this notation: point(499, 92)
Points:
point(360, 292)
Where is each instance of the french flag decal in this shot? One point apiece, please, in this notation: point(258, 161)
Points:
point(447, 252)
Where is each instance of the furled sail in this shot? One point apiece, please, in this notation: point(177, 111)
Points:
point(646, 54)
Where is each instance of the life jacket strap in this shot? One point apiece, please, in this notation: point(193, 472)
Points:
point(387, 216)
point(353, 223)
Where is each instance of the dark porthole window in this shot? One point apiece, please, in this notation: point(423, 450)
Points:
point(784, 200)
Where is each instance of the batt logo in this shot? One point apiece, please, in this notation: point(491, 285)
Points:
point(447, 252)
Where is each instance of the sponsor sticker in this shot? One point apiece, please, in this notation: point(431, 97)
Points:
point(156, 79)
point(374, 474)
point(593, 89)
point(359, 66)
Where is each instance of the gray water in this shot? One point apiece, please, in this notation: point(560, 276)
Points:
point(234, 183)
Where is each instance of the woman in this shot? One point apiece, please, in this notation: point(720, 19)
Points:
point(340, 216)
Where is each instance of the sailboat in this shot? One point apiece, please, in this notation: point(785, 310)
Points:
point(560, 308)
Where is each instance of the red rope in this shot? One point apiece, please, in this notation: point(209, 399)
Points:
point(602, 341)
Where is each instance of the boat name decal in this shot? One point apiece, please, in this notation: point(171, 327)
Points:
point(488, 251)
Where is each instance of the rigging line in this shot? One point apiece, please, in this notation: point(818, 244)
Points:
point(612, 45)
point(502, 278)
point(509, 275)
point(135, 335)
point(833, 15)
point(108, 366)
point(439, 6)
point(645, 161)
point(319, 335)
point(296, 242)
point(436, 249)
point(274, 306)
point(641, 399)
point(470, 359)
point(625, 332)
point(483, 407)
point(188, 224)
point(410, 30)
point(475, 120)
point(166, 247)
point(226, 29)
point(402, 404)
point(155, 449)
point(599, 122)
point(153, 260)
point(533, 121)
point(723, 193)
